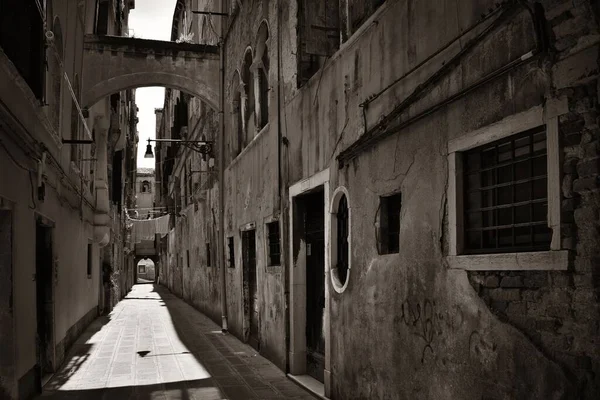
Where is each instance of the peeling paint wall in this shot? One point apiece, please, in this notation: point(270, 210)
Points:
point(435, 332)
point(407, 325)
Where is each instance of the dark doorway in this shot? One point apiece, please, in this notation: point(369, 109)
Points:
point(250, 288)
point(7, 360)
point(44, 300)
point(314, 237)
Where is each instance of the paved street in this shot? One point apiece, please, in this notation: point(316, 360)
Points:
point(155, 346)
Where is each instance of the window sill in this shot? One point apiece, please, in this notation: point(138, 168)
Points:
point(526, 261)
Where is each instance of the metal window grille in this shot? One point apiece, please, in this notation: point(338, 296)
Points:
point(506, 196)
point(389, 224)
point(342, 238)
point(274, 243)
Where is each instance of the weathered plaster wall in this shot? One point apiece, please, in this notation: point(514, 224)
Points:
point(26, 130)
point(430, 335)
point(252, 189)
point(74, 293)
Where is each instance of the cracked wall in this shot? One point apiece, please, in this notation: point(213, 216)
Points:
point(435, 332)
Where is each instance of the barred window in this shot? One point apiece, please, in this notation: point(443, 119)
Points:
point(274, 243)
point(506, 195)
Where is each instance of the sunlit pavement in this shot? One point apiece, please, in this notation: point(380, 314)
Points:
point(155, 346)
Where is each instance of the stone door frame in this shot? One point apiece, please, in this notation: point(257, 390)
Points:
point(297, 274)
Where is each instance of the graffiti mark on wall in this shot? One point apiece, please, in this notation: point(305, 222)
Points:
point(427, 322)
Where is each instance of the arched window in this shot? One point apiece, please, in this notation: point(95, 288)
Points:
point(248, 109)
point(261, 66)
point(340, 232)
point(146, 187)
point(237, 125)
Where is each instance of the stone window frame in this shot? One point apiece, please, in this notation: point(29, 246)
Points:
point(339, 286)
point(554, 259)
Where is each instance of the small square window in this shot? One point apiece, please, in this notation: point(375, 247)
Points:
point(231, 252)
point(274, 243)
point(389, 224)
point(506, 196)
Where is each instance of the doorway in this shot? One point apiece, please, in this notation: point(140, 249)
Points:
point(7, 348)
point(44, 300)
point(314, 238)
point(251, 310)
point(309, 318)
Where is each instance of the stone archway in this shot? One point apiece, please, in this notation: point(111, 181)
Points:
point(154, 259)
point(112, 64)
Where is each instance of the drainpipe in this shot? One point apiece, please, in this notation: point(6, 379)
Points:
point(221, 237)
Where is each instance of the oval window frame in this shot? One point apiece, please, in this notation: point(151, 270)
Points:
point(338, 286)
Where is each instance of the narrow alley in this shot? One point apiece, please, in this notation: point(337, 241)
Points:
point(155, 346)
point(298, 199)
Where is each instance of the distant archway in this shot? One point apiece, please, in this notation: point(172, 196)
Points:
point(146, 270)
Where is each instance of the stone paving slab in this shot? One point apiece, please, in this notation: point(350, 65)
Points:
point(154, 346)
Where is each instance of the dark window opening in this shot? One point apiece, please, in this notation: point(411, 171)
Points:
point(231, 252)
point(89, 260)
point(319, 34)
point(22, 40)
point(117, 178)
point(263, 82)
point(187, 252)
point(238, 129)
point(249, 109)
point(274, 243)
point(505, 195)
point(389, 224)
point(342, 239)
point(360, 10)
point(102, 17)
point(208, 264)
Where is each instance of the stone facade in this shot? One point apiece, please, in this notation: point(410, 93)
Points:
point(63, 170)
point(144, 193)
point(392, 105)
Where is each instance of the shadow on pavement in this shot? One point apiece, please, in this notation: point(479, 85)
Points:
point(188, 390)
point(176, 352)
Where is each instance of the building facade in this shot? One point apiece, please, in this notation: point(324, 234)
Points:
point(144, 193)
point(410, 193)
point(63, 170)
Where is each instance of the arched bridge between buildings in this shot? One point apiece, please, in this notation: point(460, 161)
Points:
point(114, 63)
